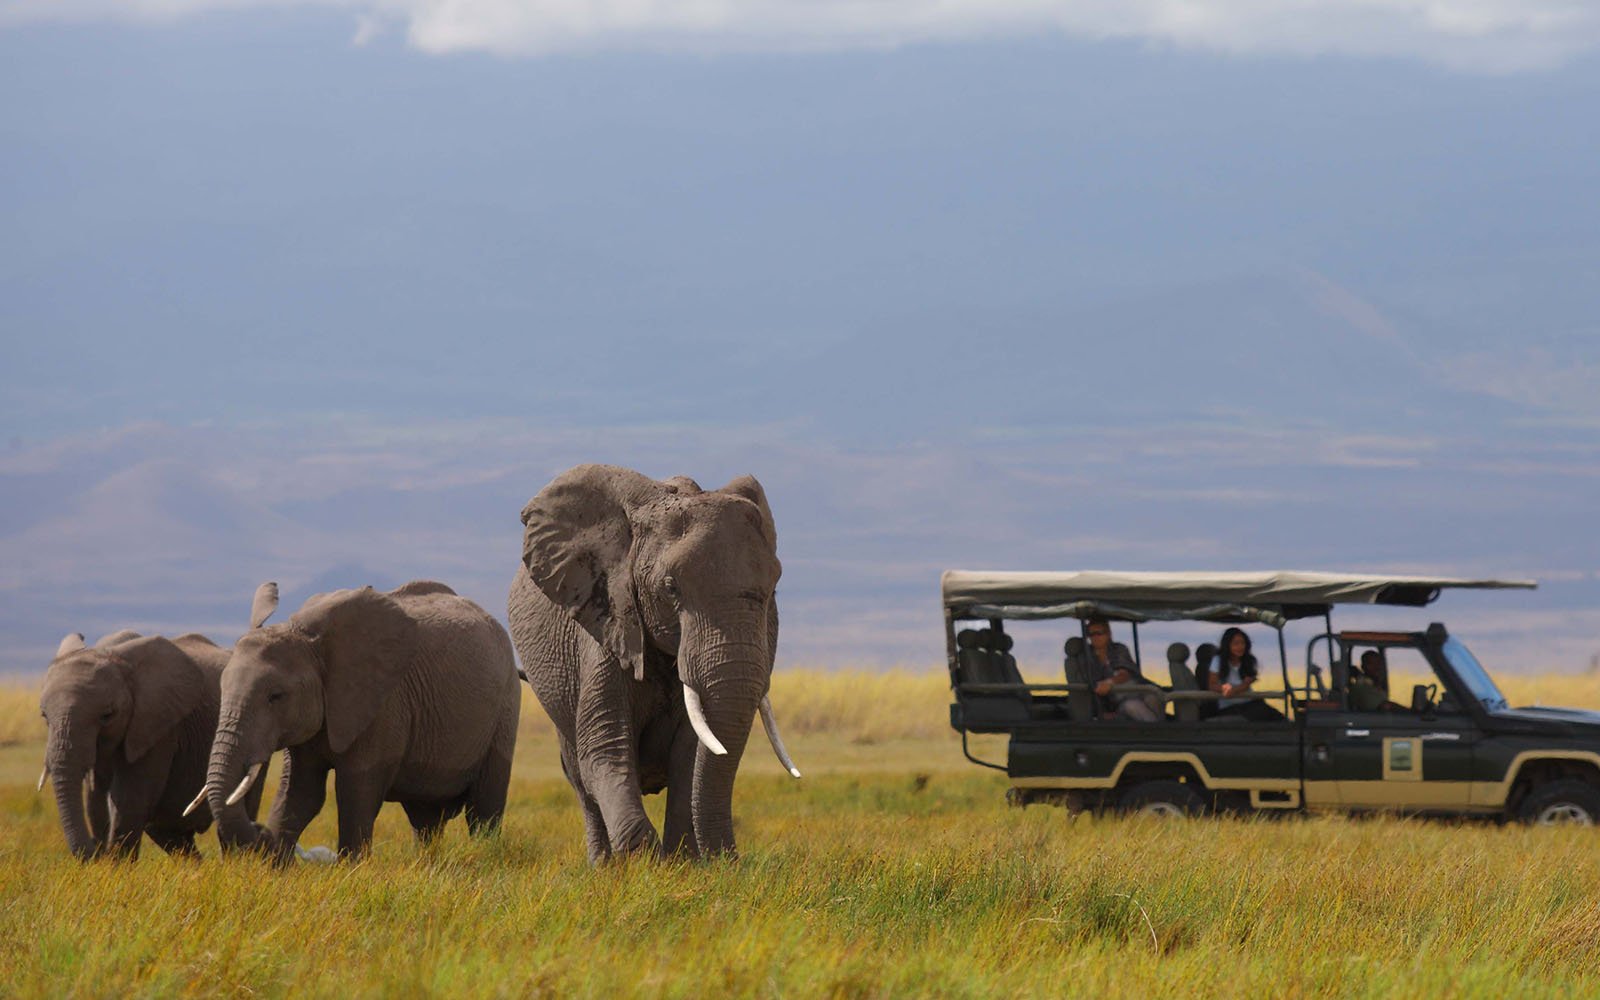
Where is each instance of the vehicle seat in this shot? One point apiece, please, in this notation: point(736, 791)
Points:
point(1203, 655)
point(971, 662)
point(1183, 679)
point(1080, 704)
point(1001, 661)
point(979, 661)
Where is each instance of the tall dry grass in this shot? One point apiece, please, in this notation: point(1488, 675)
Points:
point(862, 707)
point(893, 869)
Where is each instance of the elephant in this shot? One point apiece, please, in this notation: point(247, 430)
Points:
point(409, 696)
point(645, 617)
point(132, 718)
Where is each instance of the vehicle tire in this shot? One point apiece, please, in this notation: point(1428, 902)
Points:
point(1558, 803)
point(1162, 798)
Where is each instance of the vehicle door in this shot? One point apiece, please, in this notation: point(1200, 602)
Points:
point(1322, 718)
point(1392, 756)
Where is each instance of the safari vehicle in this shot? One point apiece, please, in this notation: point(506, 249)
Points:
point(1449, 744)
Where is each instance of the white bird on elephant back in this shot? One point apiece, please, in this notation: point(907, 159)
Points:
point(645, 617)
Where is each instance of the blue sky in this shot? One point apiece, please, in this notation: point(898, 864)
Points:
point(322, 293)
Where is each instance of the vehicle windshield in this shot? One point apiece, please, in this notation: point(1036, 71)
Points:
point(1474, 676)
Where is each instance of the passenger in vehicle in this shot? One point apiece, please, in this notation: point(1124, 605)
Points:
point(1108, 663)
point(1233, 672)
point(1369, 684)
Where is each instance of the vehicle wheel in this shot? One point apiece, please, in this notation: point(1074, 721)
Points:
point(1162, 798)
point(1561, 803)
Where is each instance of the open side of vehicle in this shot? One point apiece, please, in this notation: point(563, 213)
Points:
point(1337, 738)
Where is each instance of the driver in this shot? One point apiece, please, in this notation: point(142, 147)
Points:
point(1369, 684)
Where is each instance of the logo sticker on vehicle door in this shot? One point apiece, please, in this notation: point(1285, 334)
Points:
point(1402, 759)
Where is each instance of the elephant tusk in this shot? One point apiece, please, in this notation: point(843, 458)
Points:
point(244, 786)
point(771, 726)
point(697, 719)
point(88, 780)
point(199, 800)
point(43, 777)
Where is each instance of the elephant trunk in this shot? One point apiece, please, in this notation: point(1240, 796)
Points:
point(69, 769)
point(729, 676)
point(223, 775)
point(69, 805)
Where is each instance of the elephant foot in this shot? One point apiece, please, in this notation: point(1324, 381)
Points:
point(640, 843)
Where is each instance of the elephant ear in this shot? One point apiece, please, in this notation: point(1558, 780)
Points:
point(367, 643)
point(263, 604)
point(748, 488)
point(165, 686)
point(70, 643)
point(577, 544)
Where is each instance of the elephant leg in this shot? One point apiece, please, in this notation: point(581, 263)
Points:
point(301, 793)
point(128, 818)
point(359, 796)
point(126, 833)
point(605, 758)
point(178, 843)
point(594, 824)
point(486, 799)
point(678, 832)
point(99, 806)
point(427, 819)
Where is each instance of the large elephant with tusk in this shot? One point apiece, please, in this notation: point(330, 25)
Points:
point(130, 723)
point(645, 617)
point(409, 696)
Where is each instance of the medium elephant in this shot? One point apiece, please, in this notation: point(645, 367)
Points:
point(409, 696)
point(645, 617)
point(132, 718)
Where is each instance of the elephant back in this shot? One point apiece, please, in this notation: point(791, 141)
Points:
point(421, 588)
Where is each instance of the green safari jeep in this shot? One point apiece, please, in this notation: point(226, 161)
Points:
point(1337, 740)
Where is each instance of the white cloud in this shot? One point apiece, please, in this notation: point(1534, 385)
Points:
point(1475, 35)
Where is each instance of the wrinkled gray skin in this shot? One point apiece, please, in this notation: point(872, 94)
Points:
point(630, 589)
point(409, 696)
point(137, 714)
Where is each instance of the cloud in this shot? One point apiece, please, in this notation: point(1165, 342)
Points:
point(1474, 35)
point(1566, 381)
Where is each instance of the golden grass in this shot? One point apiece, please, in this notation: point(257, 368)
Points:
point(893, 869)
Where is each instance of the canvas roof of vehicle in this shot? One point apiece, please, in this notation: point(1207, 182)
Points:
point(1212, 596)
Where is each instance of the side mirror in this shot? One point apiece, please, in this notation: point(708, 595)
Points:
point(1422, 700)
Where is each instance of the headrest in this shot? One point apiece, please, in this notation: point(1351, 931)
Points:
point(1074, 647)
point(1205, 652)
point(1177, 653)
point(967, 639)
point(1001, 642)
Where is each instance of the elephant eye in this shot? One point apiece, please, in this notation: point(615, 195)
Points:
point(275, 697)
point(670, 585)
point(106, 715)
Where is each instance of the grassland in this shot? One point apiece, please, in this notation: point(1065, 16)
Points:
point(893, 868)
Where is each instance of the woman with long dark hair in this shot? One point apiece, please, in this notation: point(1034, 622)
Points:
point(1231, 673)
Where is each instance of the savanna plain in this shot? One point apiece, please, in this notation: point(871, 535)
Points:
point(893, 868)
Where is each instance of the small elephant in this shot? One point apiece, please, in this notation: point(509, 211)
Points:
point(410, 696)
point(645, 617)
point(132, 718)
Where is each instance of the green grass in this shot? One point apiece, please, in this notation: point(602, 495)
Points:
point(893, 868)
